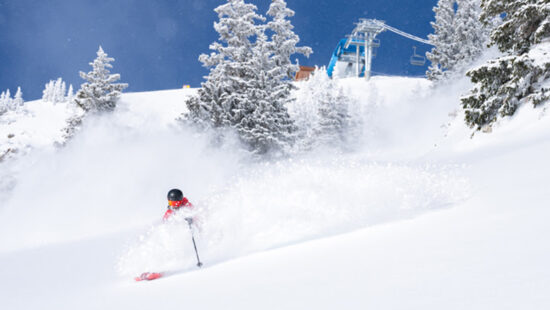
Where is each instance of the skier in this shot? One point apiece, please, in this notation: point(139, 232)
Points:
point(176, 202)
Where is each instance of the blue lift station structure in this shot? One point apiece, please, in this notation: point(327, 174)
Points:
point(355, 53)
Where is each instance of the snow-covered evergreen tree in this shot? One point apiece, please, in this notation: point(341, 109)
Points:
point(54, 91)
point(459, 37)
point(47, 93)
point(99, 93)
point(248, 85)
point(323, 113)
point(8, 101)
point(73, 125)
point(230, 64)
point(265, 125)
point(70, 94)
point(18, 99)
point(519, 76)
point(5, 101)
point(60, 88)
point(334, 118)
point(284, 40)
point(442, 38)
point(269, 126)
point(471, 34)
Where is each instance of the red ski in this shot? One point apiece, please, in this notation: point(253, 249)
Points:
point(148, 276)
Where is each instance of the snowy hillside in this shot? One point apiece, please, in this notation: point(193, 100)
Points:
point(417, 215)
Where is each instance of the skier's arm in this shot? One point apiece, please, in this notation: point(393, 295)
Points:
point(168, 214)
point(186, 203)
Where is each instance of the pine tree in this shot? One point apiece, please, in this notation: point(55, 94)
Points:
point(73, 125)
point(526, 23)
point(323, 113)
point(442, 39)
point(267, 127)
point(59, 91)
point(503, 84)
point(18, 99)
point(4, 103)
point(334, 118)
point(8, 101)
point(70, 94)
point(275, 72)
point(99, 93)
point(459, 37)
point(471, 35)
point(54, 91)
point(47, 93)
point(248, 85)
point(284, 40)
point(221, 95)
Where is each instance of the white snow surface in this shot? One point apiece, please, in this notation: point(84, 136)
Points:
point(419, 216)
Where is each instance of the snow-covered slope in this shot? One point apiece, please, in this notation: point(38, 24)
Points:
point(421, 217)
point(36, 126)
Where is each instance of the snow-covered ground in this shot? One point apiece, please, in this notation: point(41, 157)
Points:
point(421, 216)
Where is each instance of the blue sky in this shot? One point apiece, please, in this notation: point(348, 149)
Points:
point(156, 44)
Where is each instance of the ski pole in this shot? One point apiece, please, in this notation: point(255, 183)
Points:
point(189, 221)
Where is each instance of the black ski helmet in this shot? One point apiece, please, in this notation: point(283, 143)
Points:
point(175, 195)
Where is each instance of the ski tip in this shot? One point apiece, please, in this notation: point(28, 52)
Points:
point(148, 276)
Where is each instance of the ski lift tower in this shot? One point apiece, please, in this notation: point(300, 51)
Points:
point(366, 31)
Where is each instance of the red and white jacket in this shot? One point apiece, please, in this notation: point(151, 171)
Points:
point(179, 204)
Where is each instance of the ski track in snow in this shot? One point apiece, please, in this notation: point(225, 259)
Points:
point(282, 203)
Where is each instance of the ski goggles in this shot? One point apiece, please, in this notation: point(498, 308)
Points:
point(175, 203)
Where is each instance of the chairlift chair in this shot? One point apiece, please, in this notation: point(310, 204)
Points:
point(417, 60)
